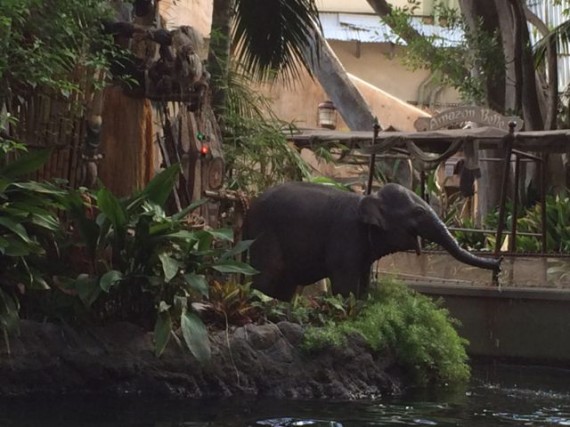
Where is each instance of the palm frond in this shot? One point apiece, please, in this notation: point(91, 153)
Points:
point(560, 33)
point(242, 100)
point(272, 36)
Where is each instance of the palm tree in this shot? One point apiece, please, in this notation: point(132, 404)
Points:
point(274, 38)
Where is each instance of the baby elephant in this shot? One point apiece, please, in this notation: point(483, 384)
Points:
point(305, 232)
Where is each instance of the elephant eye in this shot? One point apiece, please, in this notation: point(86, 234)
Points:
point(418, 210)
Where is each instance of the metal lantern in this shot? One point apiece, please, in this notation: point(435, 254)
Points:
point(327, 115)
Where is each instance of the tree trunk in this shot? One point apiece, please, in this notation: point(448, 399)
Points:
point(488, 193)
point(530, 105)
point(550, 102)
point(332, 76)
point(556, 176)
point(508, 42)
point(219, 55)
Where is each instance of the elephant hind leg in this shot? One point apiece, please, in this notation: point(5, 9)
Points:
point(267, 258)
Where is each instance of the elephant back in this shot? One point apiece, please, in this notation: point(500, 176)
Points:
point(299, 205)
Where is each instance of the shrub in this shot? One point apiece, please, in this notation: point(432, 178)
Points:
point(28, 227)
point(411, 326)
point(142, 265)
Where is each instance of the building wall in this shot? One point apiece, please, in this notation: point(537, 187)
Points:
point(299, 104)
point(380, 64)
point(389, 88)
point(362, 6)
point(196, 13)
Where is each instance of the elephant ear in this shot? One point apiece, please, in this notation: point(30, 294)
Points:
point(370, 211)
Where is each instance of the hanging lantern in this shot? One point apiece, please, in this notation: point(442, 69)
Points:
point(327, 115)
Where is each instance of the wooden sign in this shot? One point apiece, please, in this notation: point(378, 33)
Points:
point(460, 115)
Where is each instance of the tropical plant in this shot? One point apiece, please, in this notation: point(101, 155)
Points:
point(418, 332)
point(232, 303)
point(256, 150)
point(144, 264)
point(557, 226)
point(480, 50)
point(45, 43)
point(471, 240)
point(28, 228)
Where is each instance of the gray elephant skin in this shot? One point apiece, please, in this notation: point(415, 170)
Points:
point(304, 232)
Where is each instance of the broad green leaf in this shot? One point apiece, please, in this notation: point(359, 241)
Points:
point(8, 210)
point(9, 309)
point(38, 187)
point(336, 303)
point(180, 235)
point(35, 277)
point(4, 183)
point(169, 266)
point(226, 234)
point(3, 244)
point(49, 222)
point(109, 279)
point(16, 228)
point(160, 228)
point(230, 266)
point(162, 329)
point(26, 163)
point(196, 336)
point(163, 306)
point(241, 246)
point(180, 304)
point(205, 241)
point(191, 207)
point(112, 208)
point(16, 247)
point(87, 288)
point(330, 183)
point(34, 208)
point(160, 187)
point(197, 282)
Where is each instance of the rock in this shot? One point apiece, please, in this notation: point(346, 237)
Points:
point(259, 360)
point(292, 331)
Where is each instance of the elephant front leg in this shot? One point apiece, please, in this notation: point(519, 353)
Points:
point(347, 280)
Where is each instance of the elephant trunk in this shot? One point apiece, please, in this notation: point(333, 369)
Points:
point(443, 237)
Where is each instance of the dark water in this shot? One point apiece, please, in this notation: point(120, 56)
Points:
point(499, 395)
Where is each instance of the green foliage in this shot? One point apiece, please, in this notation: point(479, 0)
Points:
point(138, 261)
point(416, 330)
point(256, 150)
point(471, 240)
point(330, 182)
point(454, 65)
point(28, 219)
point(557, 225)
point(529, 220)
point(273, 36)
point(28, 225)
point(44, 43)
point(231, 303)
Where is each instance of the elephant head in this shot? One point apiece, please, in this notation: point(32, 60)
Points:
point(403, 218)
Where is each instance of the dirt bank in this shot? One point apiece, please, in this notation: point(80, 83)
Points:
point(264, 360)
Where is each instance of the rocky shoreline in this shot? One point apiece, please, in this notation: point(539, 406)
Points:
point(252, 360)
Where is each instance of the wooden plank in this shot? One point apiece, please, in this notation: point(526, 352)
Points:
point(557, 141)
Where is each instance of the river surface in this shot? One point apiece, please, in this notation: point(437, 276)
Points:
point(498, 395)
